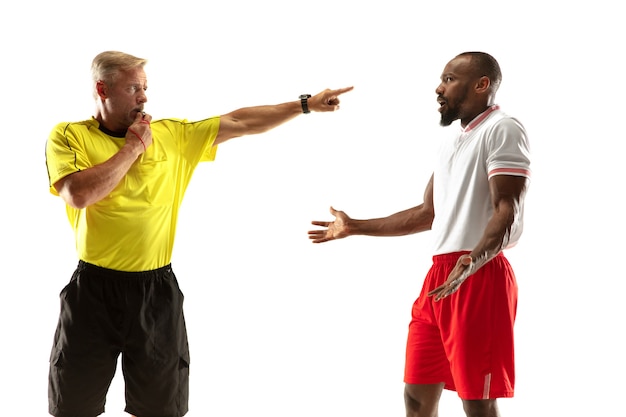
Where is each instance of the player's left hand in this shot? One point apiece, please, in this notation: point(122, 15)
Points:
point(464, 267)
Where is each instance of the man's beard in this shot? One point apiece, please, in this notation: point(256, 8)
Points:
point(453, 110)
point(449, 116)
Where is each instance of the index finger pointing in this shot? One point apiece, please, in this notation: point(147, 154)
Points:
point(342, 90)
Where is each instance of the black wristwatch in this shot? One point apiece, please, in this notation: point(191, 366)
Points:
point(304, 101)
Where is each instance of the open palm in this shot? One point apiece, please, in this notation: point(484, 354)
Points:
point(336, 229)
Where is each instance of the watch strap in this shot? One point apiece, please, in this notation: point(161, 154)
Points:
point(304, 102)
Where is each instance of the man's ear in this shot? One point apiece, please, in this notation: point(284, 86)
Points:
point(483, 84)
point(101, 89)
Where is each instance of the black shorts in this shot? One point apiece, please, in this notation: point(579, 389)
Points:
point(105, 313)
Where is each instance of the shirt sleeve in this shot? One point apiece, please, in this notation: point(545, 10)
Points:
point(196, 139)
point(64, 154)
point(508, 150)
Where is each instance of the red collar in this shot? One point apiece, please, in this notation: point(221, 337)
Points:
point(471, 125)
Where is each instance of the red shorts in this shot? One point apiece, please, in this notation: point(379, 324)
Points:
point(466, 339)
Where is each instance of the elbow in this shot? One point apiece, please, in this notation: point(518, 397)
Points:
point(430, 217)
point(424, 221)
point(79, 204)
point(73, 198)
point(72, 192)
point(76, 201)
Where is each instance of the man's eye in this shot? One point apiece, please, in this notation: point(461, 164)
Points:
point(134, 89)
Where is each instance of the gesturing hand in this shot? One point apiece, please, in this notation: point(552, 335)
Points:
point(336, 229)
point(464, 268)
point(327, 100)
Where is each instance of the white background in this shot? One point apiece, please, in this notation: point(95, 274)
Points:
point(279, 326)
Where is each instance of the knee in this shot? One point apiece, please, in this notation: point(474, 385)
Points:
point(411, 403)
point(422, 400)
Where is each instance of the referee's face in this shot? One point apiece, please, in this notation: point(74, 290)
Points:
point(125, 97)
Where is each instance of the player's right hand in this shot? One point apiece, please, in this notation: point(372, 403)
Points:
point(336, 229)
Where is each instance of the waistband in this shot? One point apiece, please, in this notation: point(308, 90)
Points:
point(454, 256)
point(86, 266)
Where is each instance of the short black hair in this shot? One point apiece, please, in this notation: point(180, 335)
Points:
point(486, 65)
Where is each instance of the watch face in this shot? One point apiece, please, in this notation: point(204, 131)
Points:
point(304, 96)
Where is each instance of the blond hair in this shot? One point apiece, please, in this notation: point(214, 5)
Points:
point(106, 65)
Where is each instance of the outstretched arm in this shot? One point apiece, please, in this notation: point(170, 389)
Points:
point(259, 119)
point(507, 196)
point(414, 220)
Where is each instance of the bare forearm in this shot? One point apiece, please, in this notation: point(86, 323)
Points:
point(255, 120)
point(259, 119)
point(496, 236)
point(413, 220)
point(87, 187)
point(507, 194)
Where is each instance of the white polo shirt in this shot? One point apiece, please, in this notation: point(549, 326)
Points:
point(492, 144)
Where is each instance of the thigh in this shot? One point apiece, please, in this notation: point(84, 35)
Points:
point(478, 329)
point(426, 361)
point(426, 356)
point(82, 360)
point(156, 360)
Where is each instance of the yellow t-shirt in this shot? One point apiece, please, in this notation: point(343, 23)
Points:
point(133, 228)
